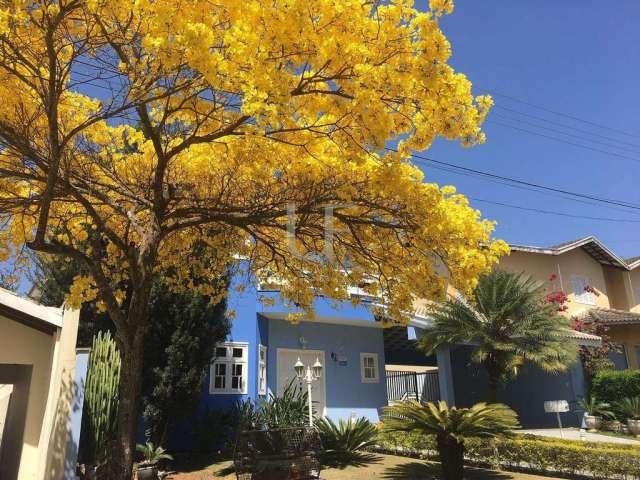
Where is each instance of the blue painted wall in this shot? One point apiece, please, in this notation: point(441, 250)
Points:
point(345, 392)
point(75, 420)
point(526, 394)
point(244, 328)
point(323, 306)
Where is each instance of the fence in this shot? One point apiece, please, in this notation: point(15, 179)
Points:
point(411, 385)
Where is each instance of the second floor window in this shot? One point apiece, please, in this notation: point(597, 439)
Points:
point(582, 295)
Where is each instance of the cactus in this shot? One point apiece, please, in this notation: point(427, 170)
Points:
point(100, 398)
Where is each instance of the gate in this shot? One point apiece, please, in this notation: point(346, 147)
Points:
point(412, 385)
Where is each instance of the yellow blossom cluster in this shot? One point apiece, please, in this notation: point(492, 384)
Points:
point(181, 133)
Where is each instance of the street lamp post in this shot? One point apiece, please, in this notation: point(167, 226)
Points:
point(309, 375)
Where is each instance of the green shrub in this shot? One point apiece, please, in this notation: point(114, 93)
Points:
point(213, 431)
point(612, 386)
point(600, 460)
point(346, 437)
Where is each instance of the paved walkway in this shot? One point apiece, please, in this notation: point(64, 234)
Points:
point(574, 434)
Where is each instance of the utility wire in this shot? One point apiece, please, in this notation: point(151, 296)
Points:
point(564, 125)
point(531, 189)
point(549, 212)
point(560, 132)
point(609, 201)
point(562, 140)
point(562, 114)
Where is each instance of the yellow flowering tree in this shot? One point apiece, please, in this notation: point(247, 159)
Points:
point(133, 134)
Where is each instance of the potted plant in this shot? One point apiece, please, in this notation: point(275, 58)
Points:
point(631, 408)
point(148, 468)
point(595, 410)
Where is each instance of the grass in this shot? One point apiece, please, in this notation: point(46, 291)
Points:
point(362, 467)
point(618, 435)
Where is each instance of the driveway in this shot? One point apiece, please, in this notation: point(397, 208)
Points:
point(574, 434)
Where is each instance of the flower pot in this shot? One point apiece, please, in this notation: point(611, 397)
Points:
point(593, 422)
point(612, 426)
point(148, 472)
point(634, 426)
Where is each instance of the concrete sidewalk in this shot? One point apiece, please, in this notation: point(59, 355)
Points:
point(574, 434)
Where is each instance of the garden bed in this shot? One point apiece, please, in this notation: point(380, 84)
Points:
point(546, 456)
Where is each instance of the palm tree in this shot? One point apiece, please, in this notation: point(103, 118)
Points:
point(450, 426)
point(508, 320)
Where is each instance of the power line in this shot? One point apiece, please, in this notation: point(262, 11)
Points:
point(531, 189)
point(609, 201)
point(560, 132)
point(564, 125)
point(562, 114)
point(549, 212)
point(562, 140)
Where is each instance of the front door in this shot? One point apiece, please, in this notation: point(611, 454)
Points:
point(287, 358)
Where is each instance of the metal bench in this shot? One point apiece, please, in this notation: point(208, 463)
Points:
point(278, 454)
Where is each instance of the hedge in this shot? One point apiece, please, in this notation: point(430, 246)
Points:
point(523, 452)
point(612, 386)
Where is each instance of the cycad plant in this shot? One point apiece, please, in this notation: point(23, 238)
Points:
point(287, 410)
point(630, 407)
point(509, 321)
point(451, 426)
point(595, 407)
point(346, 437)
point(152, 454)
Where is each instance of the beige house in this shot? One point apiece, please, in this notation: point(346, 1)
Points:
point(600, 286)
point(37, 366)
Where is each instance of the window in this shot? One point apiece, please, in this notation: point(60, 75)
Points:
point(262, 370)
point(581, 295)
point(229, 368)
point(369, 368)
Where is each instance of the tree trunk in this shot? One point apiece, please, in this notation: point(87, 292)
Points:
point(496, 371)
point(120, 465)
point(494, 384)
point(451, 453)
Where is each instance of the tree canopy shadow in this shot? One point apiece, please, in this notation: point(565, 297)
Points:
point(356, 459)
point(224, 471)
point(431, 470)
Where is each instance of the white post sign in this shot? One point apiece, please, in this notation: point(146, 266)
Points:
point(557, 407)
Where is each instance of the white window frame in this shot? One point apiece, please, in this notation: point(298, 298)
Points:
point(376, 368)
point(582, 296)
point(262, 370)
point(230, 361)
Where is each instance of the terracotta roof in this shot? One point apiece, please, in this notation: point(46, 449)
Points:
point(611, 316)
point(591, 245)
point(585, 339)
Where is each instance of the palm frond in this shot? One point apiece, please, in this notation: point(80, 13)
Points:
point(480, 420)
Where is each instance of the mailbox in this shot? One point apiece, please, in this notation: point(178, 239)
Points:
point(556, 406)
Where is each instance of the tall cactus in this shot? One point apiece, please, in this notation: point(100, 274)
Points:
point(100, 399)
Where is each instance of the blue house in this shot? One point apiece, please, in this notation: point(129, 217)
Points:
point(259, 355)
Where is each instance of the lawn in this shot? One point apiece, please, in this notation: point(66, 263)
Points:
point(370, 466)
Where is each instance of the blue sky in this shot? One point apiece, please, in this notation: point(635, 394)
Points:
point(578, 57)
